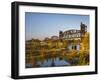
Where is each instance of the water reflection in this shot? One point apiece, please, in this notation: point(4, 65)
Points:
point(53, 62)
point(50, 62)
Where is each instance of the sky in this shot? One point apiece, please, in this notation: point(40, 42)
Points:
point(42, 25)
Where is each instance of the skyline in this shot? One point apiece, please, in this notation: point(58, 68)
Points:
point(42, 25)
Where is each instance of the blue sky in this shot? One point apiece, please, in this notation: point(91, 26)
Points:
point(41, 25)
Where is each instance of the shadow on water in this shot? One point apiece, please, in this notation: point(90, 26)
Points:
point(50, 62)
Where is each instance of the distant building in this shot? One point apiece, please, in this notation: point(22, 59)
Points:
point(42, 43)
point(54, 37)
point(46, 39)
point(31, 44)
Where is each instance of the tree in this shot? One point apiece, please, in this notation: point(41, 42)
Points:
point(85, 42)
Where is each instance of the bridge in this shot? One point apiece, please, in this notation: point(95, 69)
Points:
point(74, 36)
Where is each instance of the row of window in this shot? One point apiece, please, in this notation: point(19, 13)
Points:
point(72, 36)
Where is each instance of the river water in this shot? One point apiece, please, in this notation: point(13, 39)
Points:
point(50, 62)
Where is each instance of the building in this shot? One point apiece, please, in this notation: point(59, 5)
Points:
point(74, 37)
point(32, 45)
point(54, 37)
